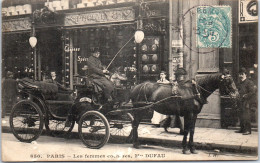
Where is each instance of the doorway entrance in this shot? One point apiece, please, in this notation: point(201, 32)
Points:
point(248, 56)
point(248, 49)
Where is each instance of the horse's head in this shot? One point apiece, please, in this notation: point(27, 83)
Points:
point(227, 86)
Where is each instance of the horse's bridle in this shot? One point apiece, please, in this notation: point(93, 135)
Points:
point(226, 87)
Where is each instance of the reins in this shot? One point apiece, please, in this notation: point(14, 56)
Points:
point(207, 90)
point(213, 91)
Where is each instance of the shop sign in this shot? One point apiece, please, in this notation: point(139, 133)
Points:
point(175, 59)
point(177, 43)
point(248, 11)
point(82, 59)
point(16, 25)
point(71, 49)
point(100, 16)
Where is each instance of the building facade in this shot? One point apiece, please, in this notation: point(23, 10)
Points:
point(68, 30)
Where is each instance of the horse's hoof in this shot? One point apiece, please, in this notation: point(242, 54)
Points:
point(193, 151)
point(165, 129)
point(185, 151)
point(181, 132)
point(136, 146)
point(129, 139)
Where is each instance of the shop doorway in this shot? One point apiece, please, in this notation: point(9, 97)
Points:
point(248, 49)
point(49, 53)
point(248, 57)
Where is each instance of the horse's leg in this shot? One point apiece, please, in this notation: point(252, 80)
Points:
point(135, 125)
point(186, 131)
point(192, 129)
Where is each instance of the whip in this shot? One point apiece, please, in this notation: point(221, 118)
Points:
point(118, 52)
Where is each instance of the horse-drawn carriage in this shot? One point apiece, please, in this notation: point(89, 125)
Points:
point(46, 104)
point(98, 119)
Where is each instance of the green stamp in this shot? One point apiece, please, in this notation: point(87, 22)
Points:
point(213, 27)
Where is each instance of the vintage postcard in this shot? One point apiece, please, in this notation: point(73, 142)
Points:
point(129, 80)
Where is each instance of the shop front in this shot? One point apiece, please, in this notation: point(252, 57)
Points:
point(108, 30)
point(112, 30)
point(67, 36)
point(17, 58)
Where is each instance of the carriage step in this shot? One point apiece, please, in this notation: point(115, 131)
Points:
point(59, 102)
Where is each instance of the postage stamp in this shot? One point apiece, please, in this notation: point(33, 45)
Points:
point(213, 27)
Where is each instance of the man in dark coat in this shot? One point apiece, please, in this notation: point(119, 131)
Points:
point(247, 92)
point(9, 93)
point(97, 72)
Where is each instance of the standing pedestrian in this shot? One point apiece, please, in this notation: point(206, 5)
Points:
point(9, 92)
point(157, 117)
point(175, 120)
point(247, 92)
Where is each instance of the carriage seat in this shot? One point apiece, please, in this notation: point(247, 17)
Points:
point(50, 91)
point(43, 87)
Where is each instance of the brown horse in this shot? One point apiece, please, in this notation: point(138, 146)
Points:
point(184, 105)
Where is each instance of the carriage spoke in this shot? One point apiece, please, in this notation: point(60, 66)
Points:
point(93, 130)
point(26, 121)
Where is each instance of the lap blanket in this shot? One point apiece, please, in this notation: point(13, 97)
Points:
point(49, 90)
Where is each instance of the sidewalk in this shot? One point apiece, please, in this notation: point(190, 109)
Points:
point(204, 138)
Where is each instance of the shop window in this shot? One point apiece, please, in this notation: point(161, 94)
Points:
point(109, 40)
point(248, 49)
point(17, 55)
point(149, 58)
point(248, 45)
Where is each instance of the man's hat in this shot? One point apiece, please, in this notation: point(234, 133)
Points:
point(180, 71)
point(94, 50)
point(242, 70)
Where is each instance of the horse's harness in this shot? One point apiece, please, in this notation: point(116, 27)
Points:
point(143, 87)
point(174, 91)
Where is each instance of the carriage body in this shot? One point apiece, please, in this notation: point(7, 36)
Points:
point(42, 104)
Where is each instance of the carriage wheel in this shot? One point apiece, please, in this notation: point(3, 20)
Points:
point(26, 121)
point(57, 128)
point(93, 129)
point(121, 127)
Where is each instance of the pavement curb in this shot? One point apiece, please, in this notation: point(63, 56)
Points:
point(173, 143)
